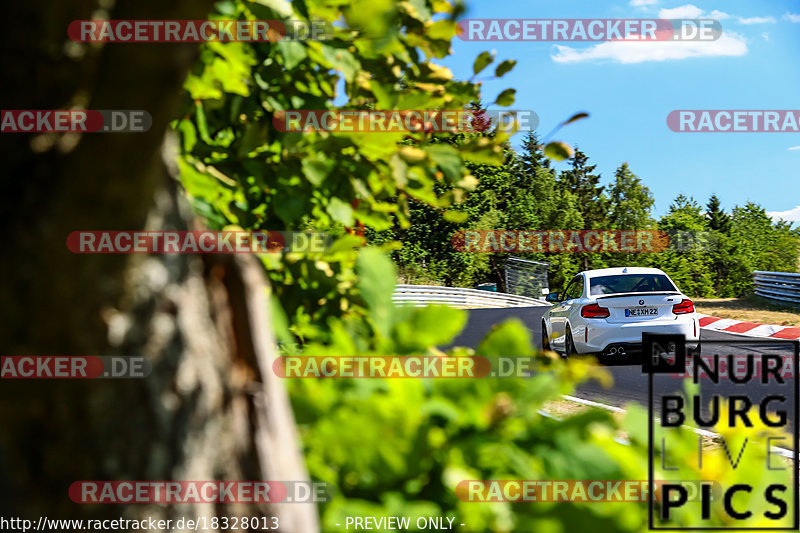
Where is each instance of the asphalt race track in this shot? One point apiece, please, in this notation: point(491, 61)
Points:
point(630, 384)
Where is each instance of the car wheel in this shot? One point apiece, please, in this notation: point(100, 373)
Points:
point(545, 338)
point(569, 344)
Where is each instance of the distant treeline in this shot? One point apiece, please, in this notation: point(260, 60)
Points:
point(527, 194)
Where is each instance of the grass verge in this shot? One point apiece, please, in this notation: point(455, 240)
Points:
point(750, 309)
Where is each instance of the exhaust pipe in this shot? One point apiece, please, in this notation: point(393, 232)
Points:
point(612, 351)
point(621, 351)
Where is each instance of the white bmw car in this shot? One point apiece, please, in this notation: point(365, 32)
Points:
point(606, 311)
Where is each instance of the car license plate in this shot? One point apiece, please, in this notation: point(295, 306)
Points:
point(642, 311)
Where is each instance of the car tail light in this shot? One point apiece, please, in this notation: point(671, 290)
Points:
point(686, 306)
point(594, 311)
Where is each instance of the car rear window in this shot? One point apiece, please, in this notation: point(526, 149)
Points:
point(630, 283)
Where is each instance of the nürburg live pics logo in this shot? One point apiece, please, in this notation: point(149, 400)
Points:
point(732, 431)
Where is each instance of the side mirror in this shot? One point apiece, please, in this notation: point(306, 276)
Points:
point(553, 297)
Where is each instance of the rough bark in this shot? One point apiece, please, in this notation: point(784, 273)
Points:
point(212, 408)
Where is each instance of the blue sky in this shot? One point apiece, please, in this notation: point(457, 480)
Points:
point(754, 65)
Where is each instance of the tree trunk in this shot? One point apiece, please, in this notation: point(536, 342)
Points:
point(211, 409)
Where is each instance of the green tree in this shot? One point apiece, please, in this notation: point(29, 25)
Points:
point(581, 181)
point(726, 262)
point(590, 201)
point(630, 202)
point(761, 244)
point(718, 220)
point(547, 206)
point(532, 156)
point(686, 260)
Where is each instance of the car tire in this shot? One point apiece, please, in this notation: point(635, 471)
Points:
point(545, 338)
point(569, 344)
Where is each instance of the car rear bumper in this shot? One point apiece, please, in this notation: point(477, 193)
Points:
point(601, 337)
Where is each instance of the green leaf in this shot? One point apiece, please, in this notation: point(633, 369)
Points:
point(376, 278)
point(456, 216)
point(482, 155)
point(188, 135)
point(280, 324)
point(385, 96)
point(447, 158)
point(232, 69)
point(430, 326)
point(482, 61)
point(504, 67)
point(201, 88)
point(342, 60)
point(290, 209)
point(199, 184)
point(316, 170)
point(412, 155)
point(202, 126)
point(443, 29)
point(511, 338)
point(293, 52)
point(418, 10)
point(506, 98)
point(345, 243)
point(340, 211)
point(413, 100)
point(575, 118)
point(226, 7)
point(558, 151)
point(254, 136)
point(635, 422)
point(399, 171)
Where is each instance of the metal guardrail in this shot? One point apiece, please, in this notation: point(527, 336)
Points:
point(525, 277)
point(784, 286)
point(421, 295)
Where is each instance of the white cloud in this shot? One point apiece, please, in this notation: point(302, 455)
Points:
point(688, 11)
point(765, 35)
point(794, 148)
point(757, 20)
point(729, 44)
point(792, 215)
point(792, 17)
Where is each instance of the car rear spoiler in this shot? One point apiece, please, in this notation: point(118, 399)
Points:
point(622, 294)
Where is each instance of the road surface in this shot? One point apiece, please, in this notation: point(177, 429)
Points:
point(630, 384)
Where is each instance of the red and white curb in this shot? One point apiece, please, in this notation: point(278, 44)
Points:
point(751, 329)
